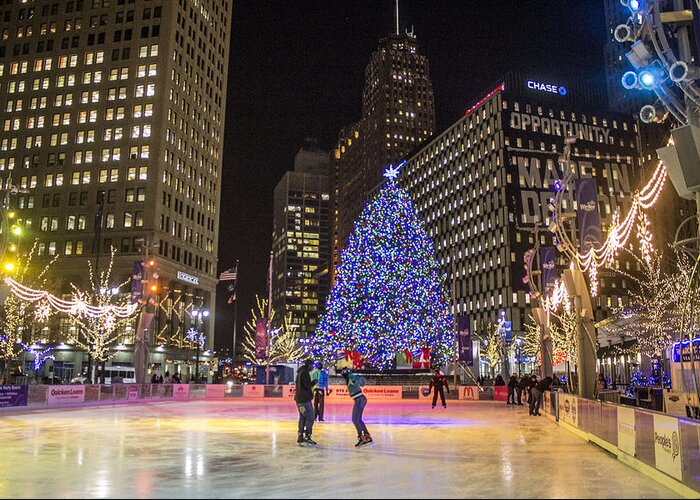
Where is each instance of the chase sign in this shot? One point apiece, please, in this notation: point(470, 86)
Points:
point(552, 88)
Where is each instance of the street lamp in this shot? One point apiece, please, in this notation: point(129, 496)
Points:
point(518, 344)
point(198, 336)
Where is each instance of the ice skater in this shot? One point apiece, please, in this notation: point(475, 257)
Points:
point(438, 382)
point(319, 377)
point(303, 396)
point(355, 391)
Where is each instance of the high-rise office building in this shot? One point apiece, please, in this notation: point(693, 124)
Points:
point(397, 115)
point(482, 184)
point(112, 119)
point(301, 241)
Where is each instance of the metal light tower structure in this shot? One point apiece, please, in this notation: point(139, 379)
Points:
point(663, 60)
point(563, 225)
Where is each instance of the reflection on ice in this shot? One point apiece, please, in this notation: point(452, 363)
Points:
point(234, 448)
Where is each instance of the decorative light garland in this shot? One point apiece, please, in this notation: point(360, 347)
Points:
point(79, 306)
point(620, 232)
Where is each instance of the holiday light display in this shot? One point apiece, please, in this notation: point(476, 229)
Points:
point(195, 337)
point(16, 315)
point(656, 298)
point(493, 347)
point(532, 346)
point(284, 342)
point(79, 306)
point(389, 296)
point(101, 316)
point(619, 231)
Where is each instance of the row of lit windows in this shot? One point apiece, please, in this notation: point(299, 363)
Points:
point(140, 90)
point(79, 222)
point(70, 248)
point(572, 116)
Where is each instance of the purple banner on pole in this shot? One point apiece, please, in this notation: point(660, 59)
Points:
point(464, 340)
point(137, 282)
point(695, 9)
point(13, 395)
point(548, 257)
point(261, 338)
point(588, 215)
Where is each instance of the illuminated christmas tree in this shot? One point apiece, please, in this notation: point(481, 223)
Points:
point(389, 296)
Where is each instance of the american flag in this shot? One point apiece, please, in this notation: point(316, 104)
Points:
point(229, 274)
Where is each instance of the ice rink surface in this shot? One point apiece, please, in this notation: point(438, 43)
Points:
point(237, 448)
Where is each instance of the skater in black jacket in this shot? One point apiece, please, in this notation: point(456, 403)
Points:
point(438, 382)
point(303, 396)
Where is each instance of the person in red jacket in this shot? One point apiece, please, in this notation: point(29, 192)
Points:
point(439, 381)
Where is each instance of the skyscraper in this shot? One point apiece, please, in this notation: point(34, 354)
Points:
point(301, 240)
point(397, 114)
point(482, 184)
point(112, 119)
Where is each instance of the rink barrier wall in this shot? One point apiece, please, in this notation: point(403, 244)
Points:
point(661, 446)
point(50, 396)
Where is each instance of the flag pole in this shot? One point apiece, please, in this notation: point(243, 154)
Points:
point(269, 315)
point(235, 308)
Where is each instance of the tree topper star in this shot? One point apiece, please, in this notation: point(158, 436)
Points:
point(392, 172)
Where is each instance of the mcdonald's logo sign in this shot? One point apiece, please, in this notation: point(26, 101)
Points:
point(469, 392)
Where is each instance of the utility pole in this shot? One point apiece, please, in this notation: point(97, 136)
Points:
point(454, 313)
point(149, 273)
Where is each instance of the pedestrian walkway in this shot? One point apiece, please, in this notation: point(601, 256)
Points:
point(240, 448)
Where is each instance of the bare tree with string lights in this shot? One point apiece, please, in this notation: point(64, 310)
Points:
point(101, 314)
point(281, 344)
point(17, 317)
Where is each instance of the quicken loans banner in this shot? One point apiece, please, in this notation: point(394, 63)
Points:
point(587, 214)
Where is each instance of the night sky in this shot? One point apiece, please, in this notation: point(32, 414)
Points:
point(296, 70)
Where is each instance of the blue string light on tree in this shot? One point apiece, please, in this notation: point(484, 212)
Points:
point(389, 296)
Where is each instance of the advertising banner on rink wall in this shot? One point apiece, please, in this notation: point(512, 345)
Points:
point(587, 214)
point(215, 391)
point(62, 394)
point(626, 431)
point(288, 391)
point(13, 395)
point(469, 392)
point(253, 391)
point(132, 393)
point(667, 446)
point(181, 392)
point(373, 392)
point(568, 409)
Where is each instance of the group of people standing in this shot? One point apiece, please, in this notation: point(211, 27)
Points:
point(532, 388)
point(158, 379)
point(313, 386)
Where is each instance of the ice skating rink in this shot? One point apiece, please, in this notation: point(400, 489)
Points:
point(248, 449)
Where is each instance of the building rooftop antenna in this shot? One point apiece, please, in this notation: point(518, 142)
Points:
point(397, 17)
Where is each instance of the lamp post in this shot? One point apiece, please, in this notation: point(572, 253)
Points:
point(199, 335)
point(518, 344)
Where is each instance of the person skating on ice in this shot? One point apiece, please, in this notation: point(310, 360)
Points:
point(439, 383)
point(355, 384)
point(319, 377)
point(303, 396)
